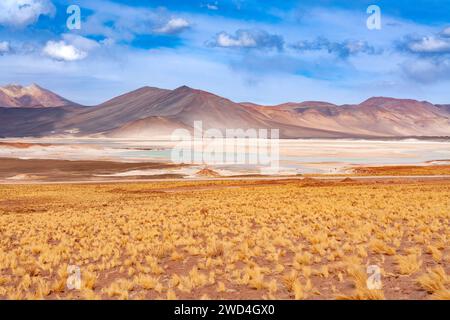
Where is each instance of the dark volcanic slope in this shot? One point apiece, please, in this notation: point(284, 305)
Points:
point(149, 112)
point(115, 112)
point(32, 122)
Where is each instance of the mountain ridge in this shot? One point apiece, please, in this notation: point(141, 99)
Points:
point(32, 96)
point(150, 111)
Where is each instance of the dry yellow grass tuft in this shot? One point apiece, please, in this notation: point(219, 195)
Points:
point(434, 280)
point(407, 265)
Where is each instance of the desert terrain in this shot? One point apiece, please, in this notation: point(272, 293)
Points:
point(224, 240)
point(361, 194)
point(250, 153)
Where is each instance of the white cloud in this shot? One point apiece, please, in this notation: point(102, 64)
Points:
point(258, 39)
point(20, 13)
point(430, 44)
point(62, 51)
point(4, 47)
point(72, 47)
point(174, 25)
point(244, 40)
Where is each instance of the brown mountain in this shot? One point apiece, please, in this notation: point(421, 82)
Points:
point(149, 112)
point(181, 107)
point(377, 116)
point(33, 96)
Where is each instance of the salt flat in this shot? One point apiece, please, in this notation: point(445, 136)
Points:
point(326, 156)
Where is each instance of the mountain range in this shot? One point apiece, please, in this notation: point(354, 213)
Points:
point(150, 112)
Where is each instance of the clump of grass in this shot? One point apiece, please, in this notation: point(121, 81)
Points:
point(146, 282)
point(436, 254)
point(119, 288)
point(407, 265)
point(361, 290)
point(434, 280)
point(221, 287)
point(89, 280)
point(441, 295)
point(379, 246)
point(171, 295)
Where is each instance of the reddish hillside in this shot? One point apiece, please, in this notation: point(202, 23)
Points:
point(16, 96)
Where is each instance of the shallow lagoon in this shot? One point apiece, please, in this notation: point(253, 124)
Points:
point(296, 156)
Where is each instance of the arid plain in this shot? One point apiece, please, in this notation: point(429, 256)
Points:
point(152, 229)
point(222, 150)
point(223, 239)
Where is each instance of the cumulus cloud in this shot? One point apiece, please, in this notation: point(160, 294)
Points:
point(60, 50)
point(343, 49)
point(21, 13)
point(72, 47)
point(4, 47)
point(173, 26)
point(435, 44)
point(250, 39)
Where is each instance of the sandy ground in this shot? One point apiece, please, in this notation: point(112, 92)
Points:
point(38, 171)
point(16, 170)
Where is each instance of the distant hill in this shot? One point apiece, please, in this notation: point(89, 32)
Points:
point(33, 96)
point(377, 116)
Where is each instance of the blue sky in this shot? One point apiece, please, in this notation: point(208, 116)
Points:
point(261, 51)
